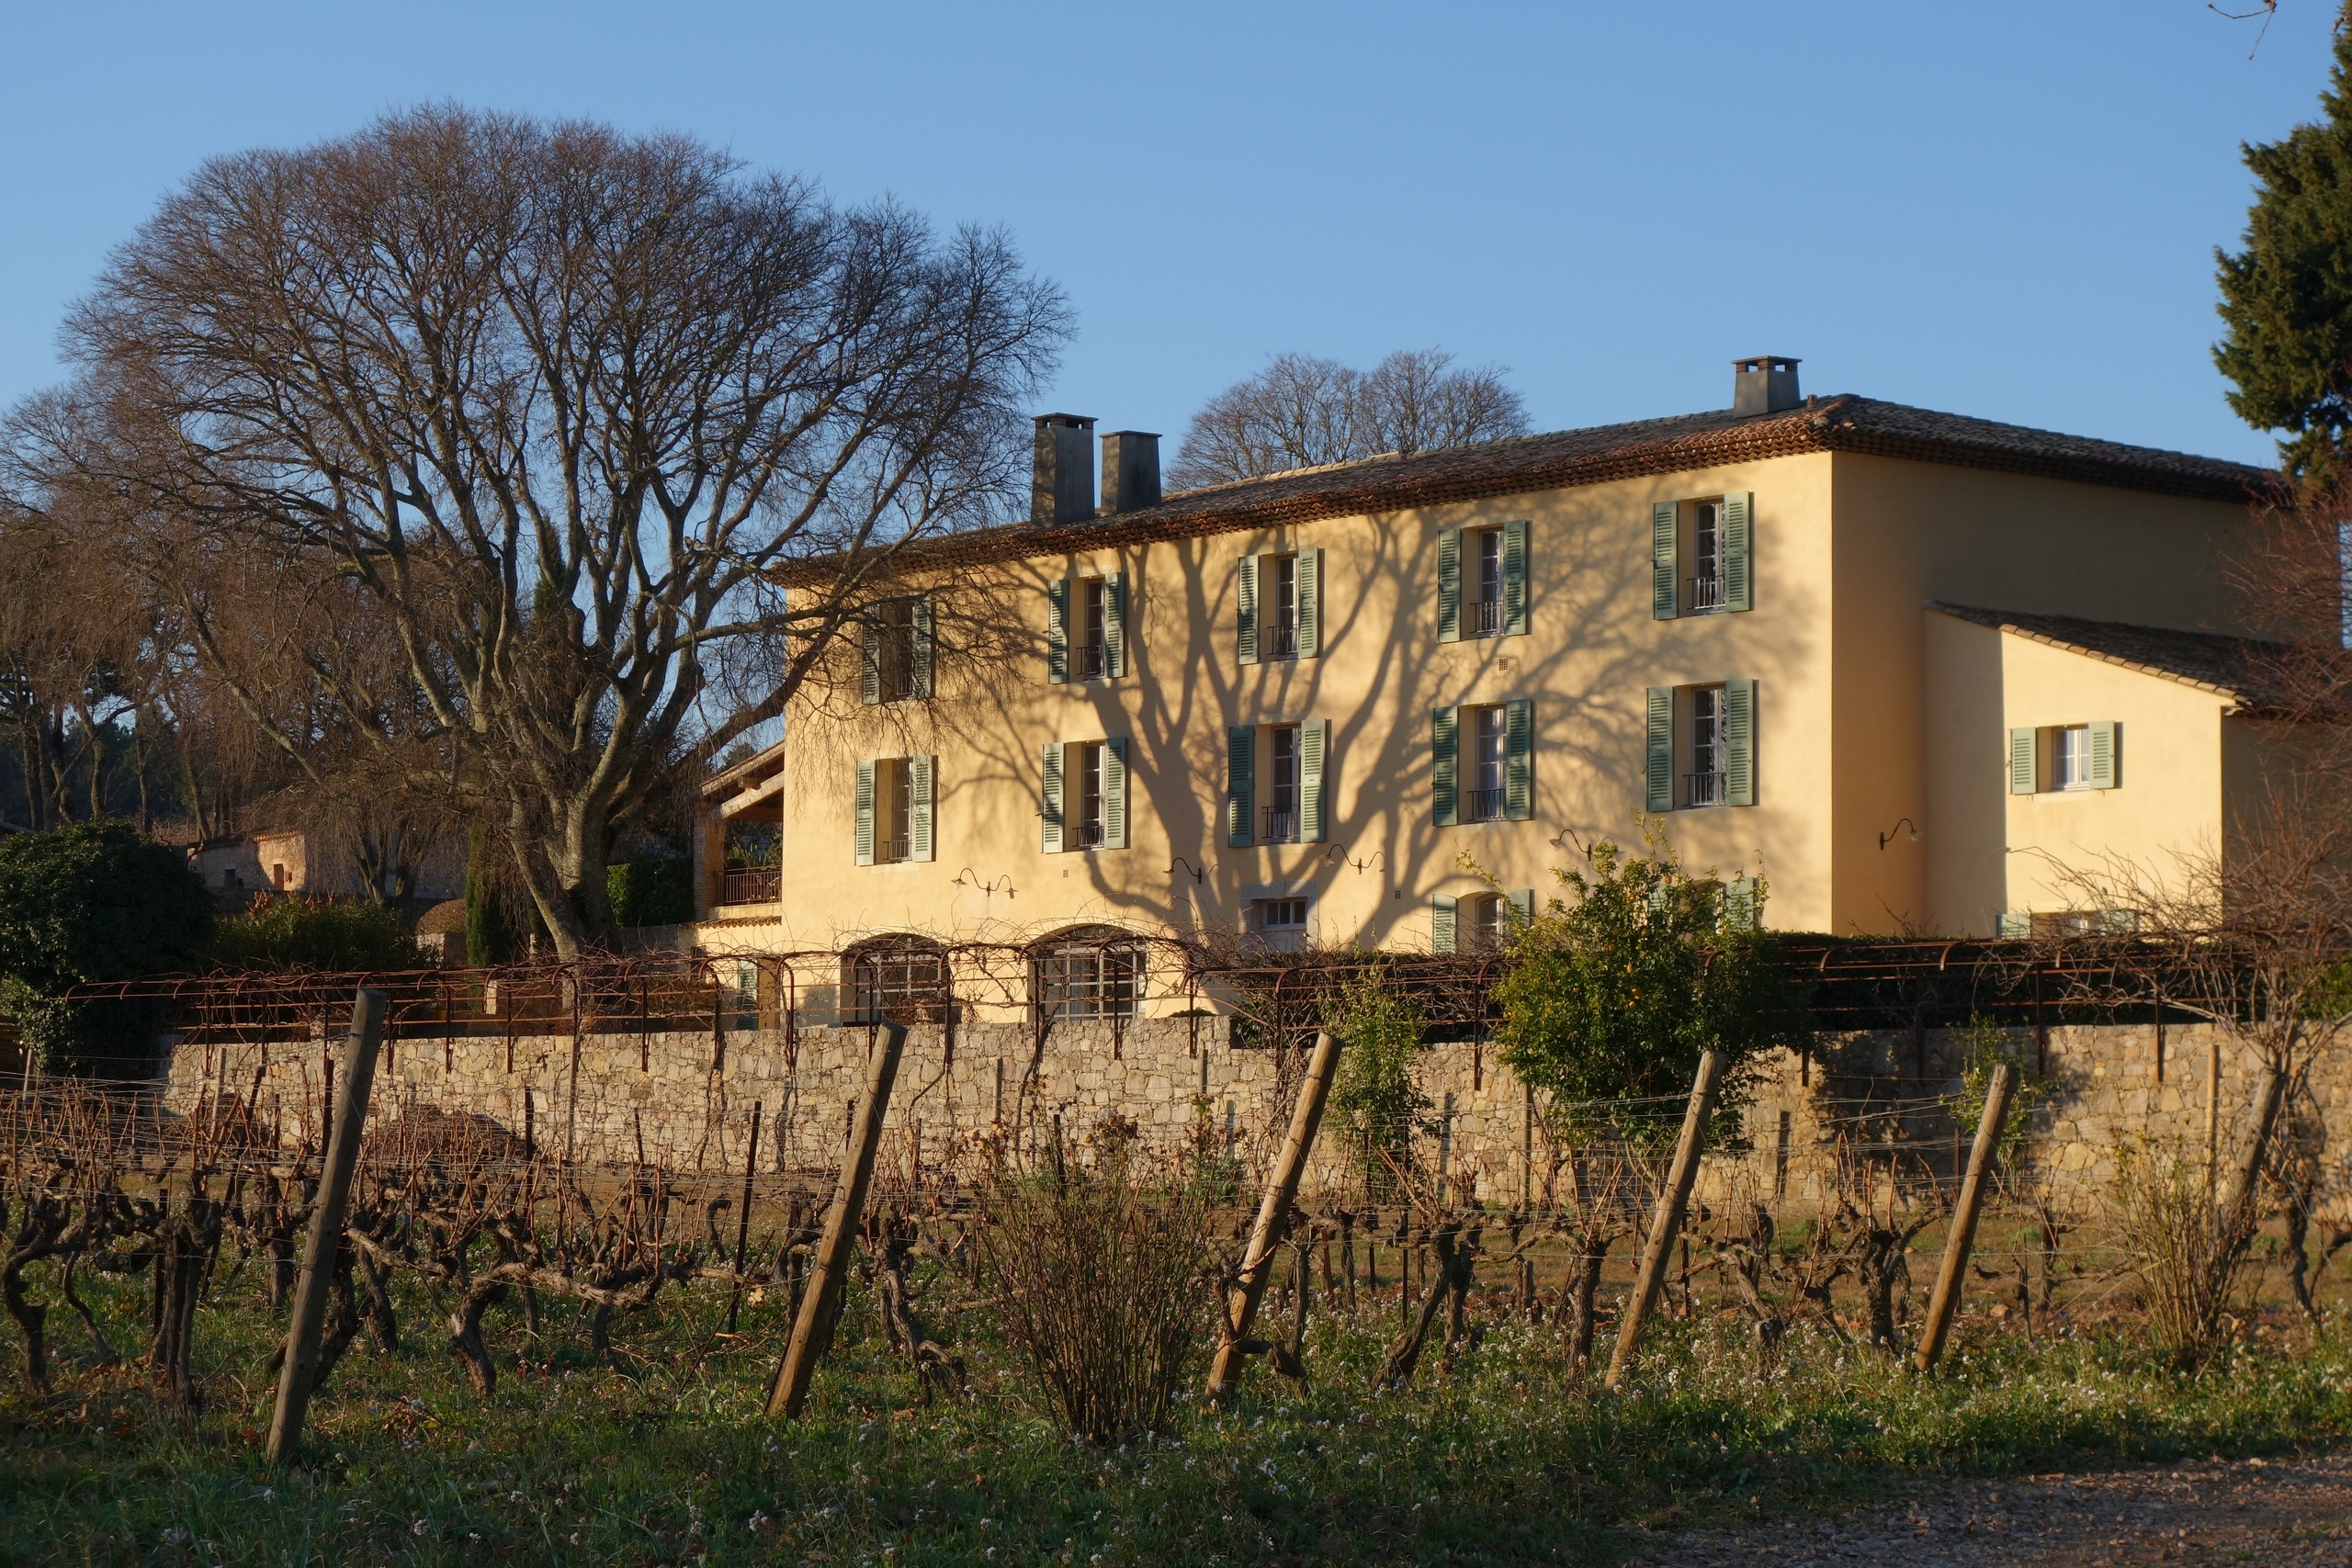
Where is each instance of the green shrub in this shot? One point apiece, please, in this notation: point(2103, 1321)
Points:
point(93, 902)
point(315, 933)
point(1612, 994)
point(656, 890)
point(1377, 1103)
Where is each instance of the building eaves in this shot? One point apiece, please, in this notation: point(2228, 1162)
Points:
point(2260, 677)
point(1600, 455)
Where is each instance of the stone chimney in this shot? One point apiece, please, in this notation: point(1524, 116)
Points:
point(1061, 485)
point(1130, 470)
point(1765, 383)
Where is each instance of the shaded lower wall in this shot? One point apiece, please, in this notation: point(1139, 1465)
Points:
point(1871, 1102)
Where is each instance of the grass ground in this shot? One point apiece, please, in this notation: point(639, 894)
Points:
point(665, 1457)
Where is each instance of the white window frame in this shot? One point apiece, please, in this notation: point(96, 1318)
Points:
point(1704, 748)
point(1487, 602)
point(1488, 795)
point(2070, 758)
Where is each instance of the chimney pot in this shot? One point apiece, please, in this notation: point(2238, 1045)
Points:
point(1130, 470)
point(1764, 383)
point(1061, 483)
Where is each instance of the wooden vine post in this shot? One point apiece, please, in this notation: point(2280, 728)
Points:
point(1249, 1287)
point(1683, 1174)
point(350, 1118)
point(1963, 1239)
point(811, 1328)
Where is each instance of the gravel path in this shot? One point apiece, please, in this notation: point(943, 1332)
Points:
point(2276, 1512)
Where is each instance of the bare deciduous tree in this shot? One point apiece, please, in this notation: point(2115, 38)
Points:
point(1302, 412)
point(553, 408)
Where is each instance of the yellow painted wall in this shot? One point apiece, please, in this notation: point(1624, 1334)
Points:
point(1836, 642)
point(1992, 851)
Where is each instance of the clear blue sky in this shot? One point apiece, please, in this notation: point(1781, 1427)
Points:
point(2005, 207)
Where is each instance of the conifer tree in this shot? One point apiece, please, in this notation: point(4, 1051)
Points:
point(2287, 297)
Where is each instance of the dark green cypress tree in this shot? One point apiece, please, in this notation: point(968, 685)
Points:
point(490, 936)
point(2287, 298)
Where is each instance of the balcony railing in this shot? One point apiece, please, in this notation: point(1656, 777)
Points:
point(1485, 617)
point(1282, 824)
point(1092, 660)
point(762, 885)
point(1703, 595)
point(1086, 833)
point(1282, 638)
point(1486, 805)
point(1703, 789)
point(892, 850)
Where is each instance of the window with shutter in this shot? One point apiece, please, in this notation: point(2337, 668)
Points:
point(1442, 909)
point(1449, 585)
point(1445, 729)
point(2024, 752)
point(869, 660)
point(1311, 602)
point(1735, 552)
point(1050, 816)
point(1115, 792)
point(2014, 926)
point(1519, 759)
point(924, 640)
point(1659, 764)
point(2104, 755)
point(918, 801)
point(865, 812)
point(1523, 909)
point(1114, 624)
point(1664, 517)
point(1245, 609)
point(1739, 904)
point(1058, 632)
point(1739, 743)
point(1240, 803)
point(1515, 579)
point(1313, 737)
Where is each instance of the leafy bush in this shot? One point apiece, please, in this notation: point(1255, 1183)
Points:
point(1614, 993)
point(1984, 1045)
point(655, 890)
point(316, 933)
point(1377, 1104)
point(2187, 1250)
point(1101, 1275)
point(92, 902)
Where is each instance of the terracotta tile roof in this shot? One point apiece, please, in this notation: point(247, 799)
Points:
point(1603, 453)
point(2263, 677)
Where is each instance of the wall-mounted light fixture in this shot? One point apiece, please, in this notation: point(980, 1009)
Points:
point(967, 877)
point(1198, 875)
point(1901, 823)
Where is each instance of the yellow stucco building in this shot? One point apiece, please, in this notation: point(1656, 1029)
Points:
point(1898, 662)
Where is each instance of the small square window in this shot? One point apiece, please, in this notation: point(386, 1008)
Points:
point(2070, 757)
point(1272, 915)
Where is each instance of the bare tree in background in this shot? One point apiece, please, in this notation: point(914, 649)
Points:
point(1302, 412)
point(556, 407)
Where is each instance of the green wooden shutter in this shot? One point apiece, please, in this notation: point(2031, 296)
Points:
point(1445, 726)
point(1313, 739)
point(1114, 624)
point(865, 813)
point(1051, 818)
point(1515, 579)
point(1519, 759)
point(2015, 926)
point(1739, 904)
point(918, 776)
point(1058, 632)
point(2023, 750)
point(1739, 743)
point(925, 638)
point(2103, 758)
point(1115, 792)
point(1442, 922)
point(1665, 516)
point(1658, 769)
point(1449, 587)
point(1244, 610)
point(1523, 909)
point(1311, 602)
point(869, 660)
point(1740, 532)
point(1240, 800)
